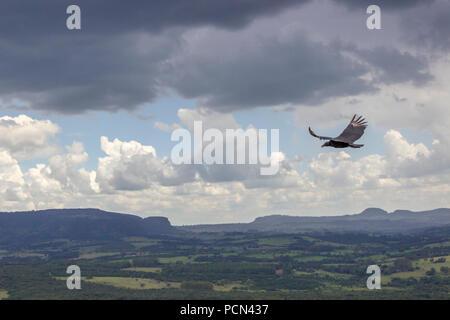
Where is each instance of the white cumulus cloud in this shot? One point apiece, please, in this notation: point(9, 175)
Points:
point(27, 138)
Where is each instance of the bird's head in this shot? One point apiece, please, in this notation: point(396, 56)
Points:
point(326, 144)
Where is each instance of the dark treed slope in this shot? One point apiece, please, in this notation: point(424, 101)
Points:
point(77, 224)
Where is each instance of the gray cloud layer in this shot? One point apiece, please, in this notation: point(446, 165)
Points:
point(28, 18)
point(126, 55)
point(384, 4)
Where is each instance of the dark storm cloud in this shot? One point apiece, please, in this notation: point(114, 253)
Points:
point(112, 63)
point(127, 53)
point(267, 73)
point(24, 17)
point(77, 72)
point(428, 28)
point(392, 66)
point(424, 22)
point(383, 4)
point(301, 71)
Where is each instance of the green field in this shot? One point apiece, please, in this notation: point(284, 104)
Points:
point(144, 269)
point(275, 242)
point(233, 266)
point(94, 255)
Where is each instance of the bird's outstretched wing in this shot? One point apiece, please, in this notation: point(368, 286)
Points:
point(315, 135)
point(354, 130)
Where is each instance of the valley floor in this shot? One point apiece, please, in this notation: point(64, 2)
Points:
point(232, 266)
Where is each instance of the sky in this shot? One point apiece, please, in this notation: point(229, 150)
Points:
point(86, 116)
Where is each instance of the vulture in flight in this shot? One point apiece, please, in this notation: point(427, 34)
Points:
point(353, 132)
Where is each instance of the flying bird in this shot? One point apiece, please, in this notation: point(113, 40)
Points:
point(353, 132)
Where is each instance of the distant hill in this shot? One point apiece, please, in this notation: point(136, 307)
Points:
point(77, 224)
point(95, 224)
point(371, 220)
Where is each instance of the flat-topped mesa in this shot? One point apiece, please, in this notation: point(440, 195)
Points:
point(157, 224)
point(429, 212)
point(273, 218)
point(78, 224)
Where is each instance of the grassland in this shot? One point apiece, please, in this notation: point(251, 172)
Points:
point(3, 294)
point(134, 283)
point(421, 266)
point(238, 266)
